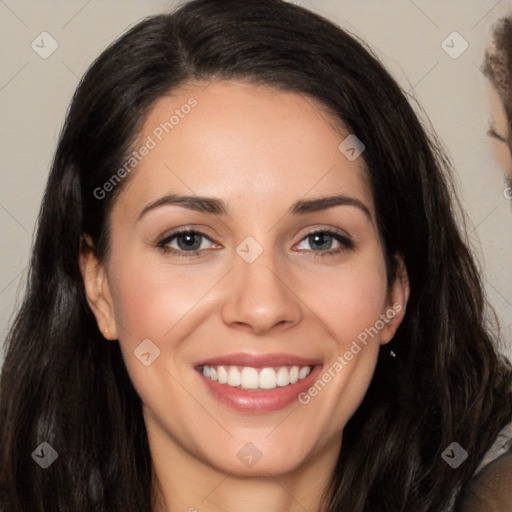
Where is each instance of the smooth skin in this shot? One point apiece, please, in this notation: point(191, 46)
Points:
point(259, 150)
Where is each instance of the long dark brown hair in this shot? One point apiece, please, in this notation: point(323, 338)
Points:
point(62, 383)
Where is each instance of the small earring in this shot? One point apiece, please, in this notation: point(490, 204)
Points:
point(106, 331)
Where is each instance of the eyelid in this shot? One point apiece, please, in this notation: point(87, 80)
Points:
point(184, 230)
point(191, 228)
point(325, 229)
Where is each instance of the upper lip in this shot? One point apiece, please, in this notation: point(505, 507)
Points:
point(258, 360)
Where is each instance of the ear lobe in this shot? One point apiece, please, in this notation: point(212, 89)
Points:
point(97, 290)
point(396, 305)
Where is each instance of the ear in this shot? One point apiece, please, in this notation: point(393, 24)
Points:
point(396, 304)
point(97, 290)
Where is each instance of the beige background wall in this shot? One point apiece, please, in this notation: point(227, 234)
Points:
point(405, 34)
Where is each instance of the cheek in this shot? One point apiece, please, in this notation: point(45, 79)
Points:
point(348, 299)
point(150, 298)
point(349, 303)
point(157, 302)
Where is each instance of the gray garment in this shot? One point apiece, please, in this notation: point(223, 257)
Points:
point(502, 444)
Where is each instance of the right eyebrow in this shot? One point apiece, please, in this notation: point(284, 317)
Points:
point(202, 204)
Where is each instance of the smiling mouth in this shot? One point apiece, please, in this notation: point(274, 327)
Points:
point(248, 378)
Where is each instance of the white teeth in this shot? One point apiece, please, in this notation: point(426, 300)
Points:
point(249, 378)
point(283, 376)
point(222, 374)
point(234, 377)
point(294, 375)
point(304, 372)
point(268, 378)
point(253, 378)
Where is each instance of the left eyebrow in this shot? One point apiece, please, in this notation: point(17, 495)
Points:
point(323, 203)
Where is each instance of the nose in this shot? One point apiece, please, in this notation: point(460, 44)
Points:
point(259, 296)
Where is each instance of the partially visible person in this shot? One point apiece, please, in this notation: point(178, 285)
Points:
point(497, 67)
point(490, 489)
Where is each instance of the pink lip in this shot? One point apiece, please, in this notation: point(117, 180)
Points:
point(258, 360)
point(259, 401)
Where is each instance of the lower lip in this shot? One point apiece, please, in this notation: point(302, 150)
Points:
point(259, 401)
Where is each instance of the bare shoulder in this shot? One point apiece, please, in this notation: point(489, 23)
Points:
point(491, 489)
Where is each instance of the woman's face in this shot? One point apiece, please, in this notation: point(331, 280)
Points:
point(255, 290)
point(499, 130)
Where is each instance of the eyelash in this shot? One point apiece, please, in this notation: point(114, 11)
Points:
point(346, 243)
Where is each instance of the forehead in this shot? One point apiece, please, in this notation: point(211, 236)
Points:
point(239, 140)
